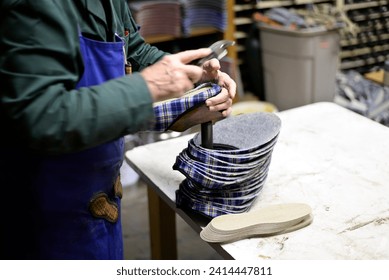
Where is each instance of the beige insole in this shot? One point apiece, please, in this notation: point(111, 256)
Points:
point(271, 220)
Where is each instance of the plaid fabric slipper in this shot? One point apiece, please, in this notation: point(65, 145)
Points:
point(180, 114)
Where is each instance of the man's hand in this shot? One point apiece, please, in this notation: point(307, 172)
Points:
point(223, 101)
point(172, 76)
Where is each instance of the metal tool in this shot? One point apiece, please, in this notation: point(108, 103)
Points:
point(219, 50)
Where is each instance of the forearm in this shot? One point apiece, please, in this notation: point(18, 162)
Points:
point(61, 121)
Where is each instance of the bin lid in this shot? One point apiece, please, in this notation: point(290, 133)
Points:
point(312, 31)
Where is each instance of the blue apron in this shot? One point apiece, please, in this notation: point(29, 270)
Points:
point(69, 205)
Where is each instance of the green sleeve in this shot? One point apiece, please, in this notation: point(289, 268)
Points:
point(40, 65)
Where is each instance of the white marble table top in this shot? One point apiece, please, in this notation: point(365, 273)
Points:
point(326, 156)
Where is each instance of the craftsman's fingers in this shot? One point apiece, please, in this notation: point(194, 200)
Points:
point(228, 83)
point(221, 102)
point(176, 63)
point(188, 56)
point(194, 73)
point(211, 70)
point(227, 112)
point(169, 78)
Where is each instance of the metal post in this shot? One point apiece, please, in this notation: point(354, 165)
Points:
point(207, 135)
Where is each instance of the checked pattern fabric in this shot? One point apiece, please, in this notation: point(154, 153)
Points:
point(168, 111)
point(228, 178)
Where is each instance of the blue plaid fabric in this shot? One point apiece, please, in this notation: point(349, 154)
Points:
point(234, 152)
point(234, 192)
point(221, 202)
point(202, 163)
point(209, 179)
point(237, 196)
point(205, 208)
point(226, 179)
point(213, 157)
point(168, 111)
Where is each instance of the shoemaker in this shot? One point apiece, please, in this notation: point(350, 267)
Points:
point(66, 103)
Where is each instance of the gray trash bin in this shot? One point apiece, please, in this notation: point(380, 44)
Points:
point(299, 66)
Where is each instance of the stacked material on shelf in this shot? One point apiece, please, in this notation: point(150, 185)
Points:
point(323, 17)
point(227, 178)
point(158, 17)
point(204, 13)
point(365, 97)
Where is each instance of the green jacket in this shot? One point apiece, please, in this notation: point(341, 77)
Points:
point(40, 65)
